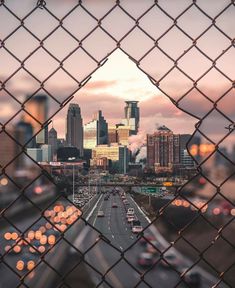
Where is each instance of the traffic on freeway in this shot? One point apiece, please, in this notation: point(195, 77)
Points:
point(118, 223)
point(115, 249)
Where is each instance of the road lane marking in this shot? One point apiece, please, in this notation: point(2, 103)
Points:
point(93, 209)
point(97, 213)
point(111, 276)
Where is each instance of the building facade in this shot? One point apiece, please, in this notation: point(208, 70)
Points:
point(163, 150)
point(52, 140)
point(117, 154)
point(96, 131)
point(74, 128)
point(132, 116)
point(37, 108)
point(185, 159)
point(112, 134)
point(35, 154)
point(119, 134)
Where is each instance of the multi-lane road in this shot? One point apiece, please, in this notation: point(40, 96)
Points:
point(108, 248)
point(122, 270)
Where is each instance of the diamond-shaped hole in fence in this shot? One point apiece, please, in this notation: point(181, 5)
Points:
point(226, 62)
point(83, 20)
point(220, 84)
point(99, 52)
point(213, 38)
point(192, 100)
point(95, 53)
point(155, 18)
point(136, 51)
point(16, 43)
point(165, 43)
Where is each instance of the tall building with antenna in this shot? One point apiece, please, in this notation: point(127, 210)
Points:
point(132, 116)
point(37, 108)
point(74, 127)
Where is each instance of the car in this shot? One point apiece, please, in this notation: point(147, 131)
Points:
point(100, 213)
point(137, 229)
point(192, 278)
point(114, 205)
point(146, 259)
point(131, 210)
point(130, 218)
point(106, 198)
point(170, 260)
point(129, 215)
point(136, 222)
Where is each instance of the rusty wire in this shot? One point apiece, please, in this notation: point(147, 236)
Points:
point(42, 4)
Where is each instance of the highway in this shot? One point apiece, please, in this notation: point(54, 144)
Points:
point(102, 256)
point(102, 249)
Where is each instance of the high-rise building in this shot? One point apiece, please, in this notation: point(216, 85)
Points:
point(37, 107)
point(61, 142)
point(96, 131)
point(42, 154)
point(117, 154)
point(24, 134)
point(46, 153)
point(185, 159)
point(8, 151)
point(112, 134)
point(74, 134)
point(52, 140)
point(132, 116)
point(35, 154)
point(119, 134)
point(162, 155)
point(123, 134)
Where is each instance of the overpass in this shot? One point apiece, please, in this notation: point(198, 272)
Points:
point(126, 184)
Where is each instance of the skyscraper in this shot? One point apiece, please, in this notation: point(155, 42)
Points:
point(119, 134)
point(118, 154)
point(52, 140)
point(96, 131)
point(74, 134)
point(25, 129)
point(37, 107)
point(162, 150)
point(112, 134)
point(132, 116)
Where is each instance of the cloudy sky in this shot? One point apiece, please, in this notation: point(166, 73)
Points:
point(61, 57)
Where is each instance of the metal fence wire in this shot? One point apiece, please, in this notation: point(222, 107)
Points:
point(138, 57)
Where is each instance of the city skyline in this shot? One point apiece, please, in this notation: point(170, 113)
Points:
point(117, 143)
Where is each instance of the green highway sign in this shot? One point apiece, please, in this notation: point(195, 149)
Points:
point(150, 189)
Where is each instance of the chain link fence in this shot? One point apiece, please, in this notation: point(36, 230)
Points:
point(109, 26)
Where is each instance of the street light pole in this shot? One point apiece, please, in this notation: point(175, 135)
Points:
point(73, 183)
point(89, 188)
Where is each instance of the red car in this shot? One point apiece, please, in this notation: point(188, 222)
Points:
point(114, 205)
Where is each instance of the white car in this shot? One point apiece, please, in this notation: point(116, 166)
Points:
point(130, 218)
point(130, 210)
point(137, 229)
point(100, 213)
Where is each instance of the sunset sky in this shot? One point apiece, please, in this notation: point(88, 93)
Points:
point(120, 79)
